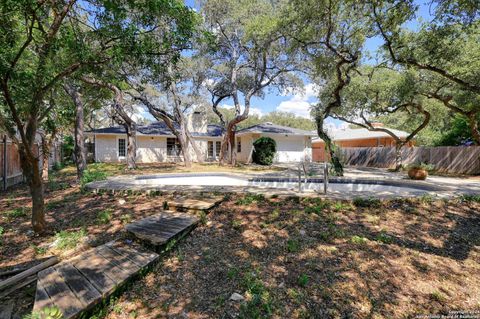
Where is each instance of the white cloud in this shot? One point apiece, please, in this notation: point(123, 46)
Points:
point(300, 101)
point(253, 110)
point(297, 107)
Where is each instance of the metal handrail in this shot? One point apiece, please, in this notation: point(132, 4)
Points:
point(325, 177)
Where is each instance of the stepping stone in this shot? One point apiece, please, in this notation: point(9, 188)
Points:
point(76, 285)
point(189, 204)
point(160, 228)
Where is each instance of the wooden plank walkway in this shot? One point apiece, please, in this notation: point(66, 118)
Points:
point(160, 228)
point(189, 204)
point(78, 284)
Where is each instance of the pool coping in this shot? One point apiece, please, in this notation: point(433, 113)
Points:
point(124, 183)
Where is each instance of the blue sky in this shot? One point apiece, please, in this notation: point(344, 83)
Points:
point(299, 103)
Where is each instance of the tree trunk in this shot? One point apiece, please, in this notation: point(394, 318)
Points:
point(329, 147)
point(80, 155)
point(132, 146)
point(45, 158)
point(233, 149)
point(224, 146)
point(475, 131)
point(398, 156)
point(31, 171)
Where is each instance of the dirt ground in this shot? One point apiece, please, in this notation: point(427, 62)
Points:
point(284, 257)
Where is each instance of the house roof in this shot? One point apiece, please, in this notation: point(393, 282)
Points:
point(275, 129)
point(360, 134)
point(157, 128)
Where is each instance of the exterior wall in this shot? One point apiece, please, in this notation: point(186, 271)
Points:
point(318, 147)
point(106, 148)
point(289, 148)
point(150, 149)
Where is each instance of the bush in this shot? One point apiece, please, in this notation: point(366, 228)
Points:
point(264, 151)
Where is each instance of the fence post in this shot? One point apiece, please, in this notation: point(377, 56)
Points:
point(5, 162)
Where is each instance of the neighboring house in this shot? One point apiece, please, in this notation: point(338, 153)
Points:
point(293, 145)
point(156, 143)
point(358, 137)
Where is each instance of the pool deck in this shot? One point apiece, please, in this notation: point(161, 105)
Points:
point(434, 185)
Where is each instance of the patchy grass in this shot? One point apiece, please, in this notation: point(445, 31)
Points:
point(16, 213)
point(289, 263)
point(69, 239)
point(104, 216)
point(369, 202)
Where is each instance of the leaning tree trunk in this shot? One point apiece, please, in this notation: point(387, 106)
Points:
point(329, 147)
point(31, 170)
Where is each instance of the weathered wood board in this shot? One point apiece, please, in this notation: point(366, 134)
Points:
point(160, 228)
point(76, 285)
point(185, 203)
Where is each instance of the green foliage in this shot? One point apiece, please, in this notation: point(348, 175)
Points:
point(471, 198)
point(369, 202)
point(293, 246)
point(92, 175)
point(423, 166)
point(17, 212)
point(250, 198)
point(264, 152)
point(383, 237)
point(358, 240)
point(260, 305)
point(104, 216)
point(69, 239)
point(303, 280)
point(457, 132)
point(68, 146)
point(2, 231)
point(52, 312)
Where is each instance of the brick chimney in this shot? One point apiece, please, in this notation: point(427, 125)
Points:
point(377, 124)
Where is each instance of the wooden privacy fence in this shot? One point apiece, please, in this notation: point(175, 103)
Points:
point(10, 163)
point(448, 159)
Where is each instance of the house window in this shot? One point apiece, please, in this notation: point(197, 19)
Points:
point(218, 147)
point(122, 151)
point(210, 149)
point(173, 147)
point(239, 145)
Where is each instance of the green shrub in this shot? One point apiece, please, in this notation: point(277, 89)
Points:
point(264, 151)
point(92, 175)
